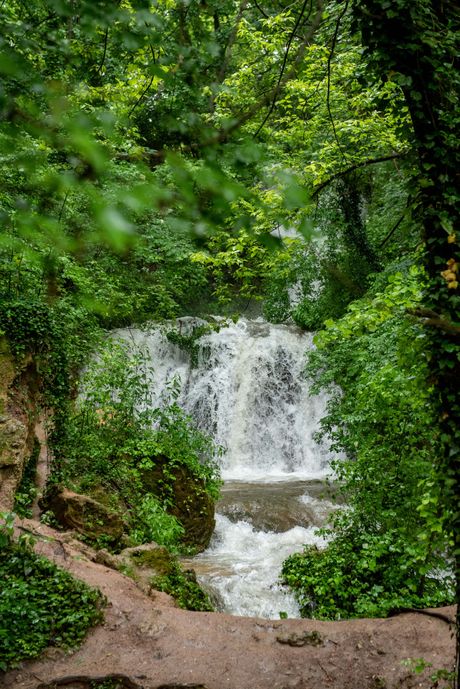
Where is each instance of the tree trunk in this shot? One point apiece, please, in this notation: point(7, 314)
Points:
point(417, 44)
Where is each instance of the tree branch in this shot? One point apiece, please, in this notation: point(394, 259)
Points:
point(397, 224)
point(286, 54)
point(231, 41)
point(356, 166)
point(264, 14)
point(106, 36)
point(435, 320)
point(329, 60)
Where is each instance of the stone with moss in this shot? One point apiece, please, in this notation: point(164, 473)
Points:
point(83, 514)
point(186, 498)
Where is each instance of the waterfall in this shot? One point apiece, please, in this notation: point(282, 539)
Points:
point(247, 390)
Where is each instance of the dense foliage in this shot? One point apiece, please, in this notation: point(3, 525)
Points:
point(40, 604)
point(183, 587)
point(177, 157)
point(389, 547)
point(116, 435)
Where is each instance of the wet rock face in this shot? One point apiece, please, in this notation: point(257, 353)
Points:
point(191, 504)
point(18, 412)
point(14, 453)
point(83, 514)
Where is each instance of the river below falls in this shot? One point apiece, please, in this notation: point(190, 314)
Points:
point(257, 526)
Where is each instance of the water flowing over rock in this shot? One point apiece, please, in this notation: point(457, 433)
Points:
point(248, 391)
point(245, 386)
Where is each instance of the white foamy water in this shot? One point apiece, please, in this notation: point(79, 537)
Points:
point(248, 391)
point(248, 584)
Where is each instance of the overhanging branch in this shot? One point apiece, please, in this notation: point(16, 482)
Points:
point(356, 166)
point(435, 320)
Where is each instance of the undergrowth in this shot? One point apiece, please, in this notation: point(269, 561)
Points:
point(118, 435)
point(183, 587)
point(40, 604)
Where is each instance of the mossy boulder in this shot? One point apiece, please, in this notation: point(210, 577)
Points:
point(186, 494)
point(82, 514)
point(151, 556)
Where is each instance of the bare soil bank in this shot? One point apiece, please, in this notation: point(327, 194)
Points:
point(146, 642)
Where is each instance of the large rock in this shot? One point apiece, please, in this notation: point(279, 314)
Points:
point(83, 514)
point(190, 502)
point(18, 414)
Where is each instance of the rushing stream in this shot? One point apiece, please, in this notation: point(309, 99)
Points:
point(248, 392)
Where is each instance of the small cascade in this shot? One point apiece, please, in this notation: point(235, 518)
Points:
point(248, 391)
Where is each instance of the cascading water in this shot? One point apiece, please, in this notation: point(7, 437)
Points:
point(247, 390)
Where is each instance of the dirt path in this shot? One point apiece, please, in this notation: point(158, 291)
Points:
point(145, 642)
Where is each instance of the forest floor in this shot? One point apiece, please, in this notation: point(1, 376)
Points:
point(147, 642)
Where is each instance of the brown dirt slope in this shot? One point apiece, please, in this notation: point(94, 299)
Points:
point(146, 642)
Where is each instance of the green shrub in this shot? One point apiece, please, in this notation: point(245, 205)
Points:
point(363, 574)
point(183, 587)
point(152, 523)
point(391, 547)
point(116, 433)
point(40, 604)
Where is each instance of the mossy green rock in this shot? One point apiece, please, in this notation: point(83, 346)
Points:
point(151, 556)
point(189, 500)
point(83, 514)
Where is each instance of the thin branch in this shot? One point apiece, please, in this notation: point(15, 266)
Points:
point(231, 41)
point(397, 224)
point(283, 66)
point(329, 60)
point(122, 680)
point(392, 231)
point(141, 97)
point(435, 320)
point(50, 16)
point(106, 36)
point(221, 135)
point(365, 163)
point(63, 205)
point(264, 14)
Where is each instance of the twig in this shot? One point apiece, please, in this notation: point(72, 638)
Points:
point(435, 320)
point(329, 60)
point(106, 36)
point(91, 681)
point(231, 41)
point(63, 205)
point(283, 66)
point(392, 231)
point(141, 97)
point(262, 12)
